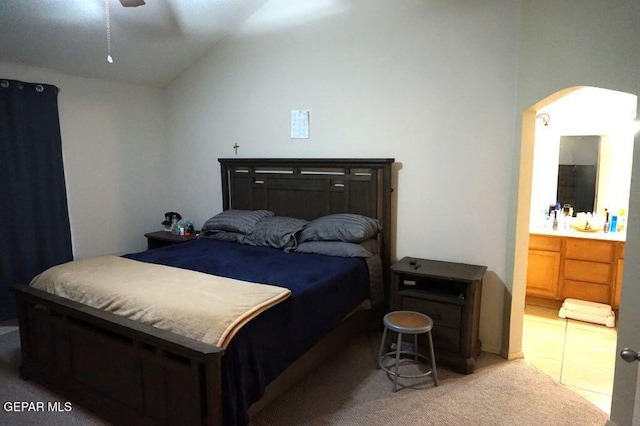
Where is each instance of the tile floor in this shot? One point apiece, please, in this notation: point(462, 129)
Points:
point(579, 355)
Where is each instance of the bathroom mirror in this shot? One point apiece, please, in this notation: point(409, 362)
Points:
point(588, 133)
point(578, 172)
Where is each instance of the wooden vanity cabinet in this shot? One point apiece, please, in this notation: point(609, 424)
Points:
point(577, 268)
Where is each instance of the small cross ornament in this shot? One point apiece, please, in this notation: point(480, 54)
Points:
point(235, 147)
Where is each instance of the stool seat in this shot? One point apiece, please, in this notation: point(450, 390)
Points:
point(406, 322)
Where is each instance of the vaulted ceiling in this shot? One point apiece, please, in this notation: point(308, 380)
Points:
point(151, 44)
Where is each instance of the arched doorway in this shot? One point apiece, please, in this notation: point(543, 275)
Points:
point(595, 112)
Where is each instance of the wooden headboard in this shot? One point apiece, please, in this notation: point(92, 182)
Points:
point(308, 188)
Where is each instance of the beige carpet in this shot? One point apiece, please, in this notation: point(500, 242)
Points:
point(348, 391)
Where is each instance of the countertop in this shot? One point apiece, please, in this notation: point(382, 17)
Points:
point(599, 235)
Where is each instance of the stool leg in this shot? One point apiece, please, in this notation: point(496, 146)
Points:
point(382, 343)
point(395, 376)
point(434, 371)
point(415, 347)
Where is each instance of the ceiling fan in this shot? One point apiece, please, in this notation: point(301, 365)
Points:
point(132, 3)
point(125, 3)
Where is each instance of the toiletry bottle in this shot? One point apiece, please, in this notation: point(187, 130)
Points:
point(622, 219)
point(606, 220)
point(613, 224)
point(555, 220)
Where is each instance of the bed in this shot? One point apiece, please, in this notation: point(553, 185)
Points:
point(130, 372)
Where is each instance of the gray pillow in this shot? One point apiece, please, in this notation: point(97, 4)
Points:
point(347, 227)
point(334, 248)
point(276, 231)
point(224, 236)
point(240, 221)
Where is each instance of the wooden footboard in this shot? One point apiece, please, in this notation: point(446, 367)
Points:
point(124, 371)
point(133, 373)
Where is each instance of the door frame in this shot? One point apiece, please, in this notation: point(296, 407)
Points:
point(523, 213)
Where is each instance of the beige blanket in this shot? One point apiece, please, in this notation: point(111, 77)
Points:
point(203, 307)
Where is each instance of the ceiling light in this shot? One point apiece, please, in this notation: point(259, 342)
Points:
point(132, 3)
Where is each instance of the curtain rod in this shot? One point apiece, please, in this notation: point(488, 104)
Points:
point(4, 83)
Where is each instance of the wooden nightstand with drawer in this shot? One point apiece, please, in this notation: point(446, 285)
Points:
point(450, 294)
point(160, 239)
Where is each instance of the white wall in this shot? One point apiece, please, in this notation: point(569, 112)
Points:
point(614, 180)
point(429, 83)
point(544, 186)
point(114, 151)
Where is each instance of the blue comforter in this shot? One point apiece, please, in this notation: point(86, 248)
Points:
point(324, 289)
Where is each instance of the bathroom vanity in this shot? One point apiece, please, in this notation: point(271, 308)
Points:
point(572, 264)
point(583, 168)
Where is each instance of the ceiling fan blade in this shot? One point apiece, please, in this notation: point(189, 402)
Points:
point(132, 3)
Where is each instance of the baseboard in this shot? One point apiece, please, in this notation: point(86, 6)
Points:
point(491, 349)
point(510, 356)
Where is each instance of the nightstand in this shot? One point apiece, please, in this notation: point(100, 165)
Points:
point(163, 238)
point(450, 294)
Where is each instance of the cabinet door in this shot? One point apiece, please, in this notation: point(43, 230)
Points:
point(546, 243)
point(618, 288)
point(589, 291)
point(589, 250)
point(619, 269)
point(594, 272)
point(542, 273)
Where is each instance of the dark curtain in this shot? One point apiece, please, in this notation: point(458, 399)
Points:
point(34, 219)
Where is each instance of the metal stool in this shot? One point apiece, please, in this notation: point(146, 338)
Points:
point(407, 322)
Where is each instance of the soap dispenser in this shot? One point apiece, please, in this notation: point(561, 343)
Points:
point(613, 225)
point(555, 220)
